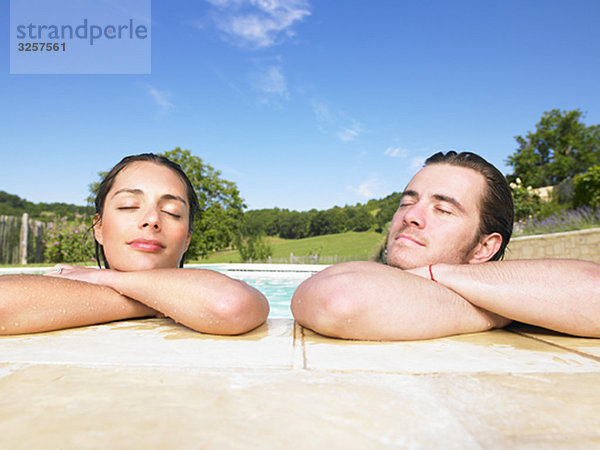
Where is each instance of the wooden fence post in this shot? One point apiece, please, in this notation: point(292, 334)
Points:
point(23, 240)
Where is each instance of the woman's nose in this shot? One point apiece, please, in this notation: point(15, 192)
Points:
point(150, 218)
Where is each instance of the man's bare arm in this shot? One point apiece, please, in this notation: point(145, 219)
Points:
point(560, 294)
point(363, 300)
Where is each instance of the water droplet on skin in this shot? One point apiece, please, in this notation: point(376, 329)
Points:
point(349, 320)
point(16, 324)
point(122, 306)
point(34, 307)
point(202, 316)
point(2, 328)
point(155, 302)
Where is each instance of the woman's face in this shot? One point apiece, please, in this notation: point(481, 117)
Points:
point(145, 220)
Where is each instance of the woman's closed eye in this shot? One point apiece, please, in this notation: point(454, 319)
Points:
point(173, 214)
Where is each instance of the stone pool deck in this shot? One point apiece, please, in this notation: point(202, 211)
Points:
point(154, 384)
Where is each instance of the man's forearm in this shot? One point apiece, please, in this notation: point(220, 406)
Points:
point(563, 295)
point(363, 300)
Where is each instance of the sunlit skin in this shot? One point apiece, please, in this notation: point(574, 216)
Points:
point(438, 218)
point(145, 221)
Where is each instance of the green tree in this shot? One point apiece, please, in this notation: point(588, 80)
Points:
point(561, 147)
point(221, 207)
point(587, 188)
point(253, 248)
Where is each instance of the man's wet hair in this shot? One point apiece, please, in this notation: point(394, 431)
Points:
point(496, 205)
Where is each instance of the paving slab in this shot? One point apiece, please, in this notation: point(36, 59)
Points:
point(154, 342)
point(583, 345)
point(524, 411)
point(82, 407)
point(496, 351)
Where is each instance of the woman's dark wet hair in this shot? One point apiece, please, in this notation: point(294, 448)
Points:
point(496, 206)
point(109, 180)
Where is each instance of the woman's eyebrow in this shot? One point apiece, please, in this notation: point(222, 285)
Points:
point(128, 191)
point(136, 191)
point(174, 197)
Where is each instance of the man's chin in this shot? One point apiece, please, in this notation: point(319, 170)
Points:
point(402, 263)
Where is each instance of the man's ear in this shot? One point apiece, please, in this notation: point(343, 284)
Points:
point(98, 229)
point(487, 247)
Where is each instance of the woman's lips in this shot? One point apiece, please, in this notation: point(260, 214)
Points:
point(146, 245)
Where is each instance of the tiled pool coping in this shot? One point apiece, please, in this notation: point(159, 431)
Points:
point(154, 384)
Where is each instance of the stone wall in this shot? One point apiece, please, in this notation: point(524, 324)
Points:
point(581, 244)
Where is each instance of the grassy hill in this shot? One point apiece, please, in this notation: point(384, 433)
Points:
point(330, 248)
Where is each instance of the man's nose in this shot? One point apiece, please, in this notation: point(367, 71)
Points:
point(415, 216)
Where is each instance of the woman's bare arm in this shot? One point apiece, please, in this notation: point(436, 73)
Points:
point(203, 300)
point(34, 303)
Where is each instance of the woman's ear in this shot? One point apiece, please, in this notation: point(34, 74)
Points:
point(487, 247)
point(187, 241)
point(98, 229)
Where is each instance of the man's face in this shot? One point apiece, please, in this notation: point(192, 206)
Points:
point(438, 218)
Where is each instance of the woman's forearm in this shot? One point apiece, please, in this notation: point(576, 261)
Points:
point(33, 303)
point(203, 300)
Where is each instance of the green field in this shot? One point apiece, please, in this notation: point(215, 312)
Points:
point(330, 248)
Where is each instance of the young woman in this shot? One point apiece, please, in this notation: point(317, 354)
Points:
point(143, 225)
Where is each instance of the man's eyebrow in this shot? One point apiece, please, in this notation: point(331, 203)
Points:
point(141, 192)
point(451, 200)
point(409, 193)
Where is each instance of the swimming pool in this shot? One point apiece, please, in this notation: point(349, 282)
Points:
point(276, 281)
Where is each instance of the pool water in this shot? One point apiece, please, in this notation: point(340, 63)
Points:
point(278, 287)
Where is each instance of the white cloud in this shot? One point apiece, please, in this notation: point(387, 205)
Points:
point(258, 23)
point(396, 152)
point(349, 134)
point(271, 81)
point(368, 189)
point(338, 124)
point(160, 98)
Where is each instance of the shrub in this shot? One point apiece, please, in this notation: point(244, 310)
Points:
point(69, 241)
point(587, 188)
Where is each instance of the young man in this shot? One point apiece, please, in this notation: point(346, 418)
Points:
point(443, 275)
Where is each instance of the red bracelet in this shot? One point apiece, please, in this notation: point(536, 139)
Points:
point(431, 273)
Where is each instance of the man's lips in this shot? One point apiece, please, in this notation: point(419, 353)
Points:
point(410, 238)
point(147, 245)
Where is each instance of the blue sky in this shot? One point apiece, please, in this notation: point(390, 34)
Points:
point(306, 104)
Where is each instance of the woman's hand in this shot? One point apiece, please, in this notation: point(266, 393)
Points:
point(79, 273)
